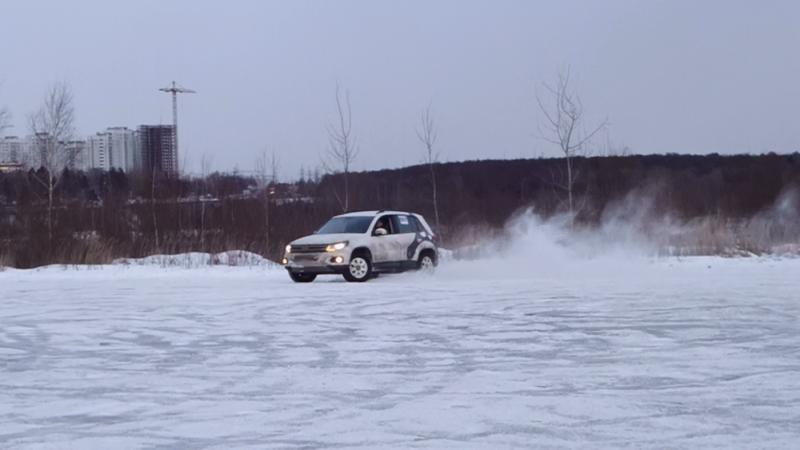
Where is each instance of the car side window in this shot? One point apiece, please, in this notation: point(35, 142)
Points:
point(384, 222)
point(404, 224)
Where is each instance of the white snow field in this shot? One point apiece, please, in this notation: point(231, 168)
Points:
point(699, 352)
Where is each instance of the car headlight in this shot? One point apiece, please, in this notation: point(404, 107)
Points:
point(336, 246)
point(289, 248)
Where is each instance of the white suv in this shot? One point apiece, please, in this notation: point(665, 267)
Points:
point(360, 245)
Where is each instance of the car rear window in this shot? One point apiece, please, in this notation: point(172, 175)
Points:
point(404, 224)
point(418, 224)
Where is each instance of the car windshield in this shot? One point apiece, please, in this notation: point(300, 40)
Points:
point(354, 224)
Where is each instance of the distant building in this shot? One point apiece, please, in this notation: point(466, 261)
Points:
point(117, 147)
point(124, 148)
point(10, 167)
point(98, 152)
point(12, 150)
point(157, 149)
point(77, 150)
point(151, 146)
point(27, 152)
point(34, 149)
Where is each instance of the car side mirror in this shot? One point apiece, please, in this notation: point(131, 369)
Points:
point(380, 232)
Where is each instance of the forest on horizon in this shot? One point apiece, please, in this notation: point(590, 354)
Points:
point(99, 216)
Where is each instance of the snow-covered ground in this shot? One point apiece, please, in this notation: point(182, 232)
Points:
point(701, 352)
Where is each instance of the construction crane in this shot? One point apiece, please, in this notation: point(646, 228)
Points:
point(174, 89)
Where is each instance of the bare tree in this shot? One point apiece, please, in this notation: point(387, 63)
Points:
point(428, 135)
point(267, 179)
point(5, 119)
point(564, 127)
point(53, 128)
point(205, 168)
point(154, 173)
point(611, 148)
point(342, 150)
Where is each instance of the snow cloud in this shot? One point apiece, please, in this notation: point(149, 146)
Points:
point(630, 236)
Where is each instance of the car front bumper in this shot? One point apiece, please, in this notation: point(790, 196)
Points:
point(316, 263)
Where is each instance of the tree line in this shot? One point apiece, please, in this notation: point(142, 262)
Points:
point(97, 216)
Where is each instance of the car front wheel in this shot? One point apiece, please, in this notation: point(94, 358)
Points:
point(359, 269)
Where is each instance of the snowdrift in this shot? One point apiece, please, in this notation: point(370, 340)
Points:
point(196, 259)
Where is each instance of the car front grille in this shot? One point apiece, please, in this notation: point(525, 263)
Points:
point(308, 248)
point(304, 258)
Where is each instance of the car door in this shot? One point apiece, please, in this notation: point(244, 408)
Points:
point(380, 246)
point(403, 237)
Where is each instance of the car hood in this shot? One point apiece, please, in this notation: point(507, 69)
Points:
point(324, 238)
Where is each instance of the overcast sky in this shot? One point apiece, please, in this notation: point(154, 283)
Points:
point(671, 76)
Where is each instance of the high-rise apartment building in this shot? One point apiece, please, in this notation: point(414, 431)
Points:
point(117, 147)
point(98, 151)
point(124, 148)
point(75, 152)
point(12, 150)
point(150, 147)
point(157, 149)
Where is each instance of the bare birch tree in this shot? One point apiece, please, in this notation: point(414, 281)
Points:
point(5, 119)
point(428, 135)
point(53, 128)
point(154, 174)
point(342, 149)
point(205, 169)
point(267, 179)
point(564, 126)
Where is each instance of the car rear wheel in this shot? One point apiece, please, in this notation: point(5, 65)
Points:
point(426, 263)
point(302, 277)
point(359, 269)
